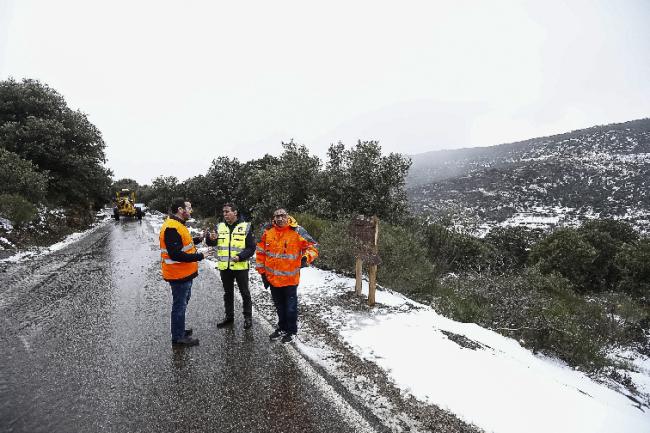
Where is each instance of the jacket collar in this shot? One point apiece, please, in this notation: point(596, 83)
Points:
point(237, 221)
point(174, 217)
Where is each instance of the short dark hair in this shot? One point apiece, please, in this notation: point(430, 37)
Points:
point(176, 203)
point(232, 206)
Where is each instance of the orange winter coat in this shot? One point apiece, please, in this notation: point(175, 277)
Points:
point(280, 251)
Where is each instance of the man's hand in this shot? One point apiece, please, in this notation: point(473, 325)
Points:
point(235, 259)
point(265, 281)
point(303, 262)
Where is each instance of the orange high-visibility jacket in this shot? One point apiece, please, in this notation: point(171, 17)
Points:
point(171, 269)
point(280, 251)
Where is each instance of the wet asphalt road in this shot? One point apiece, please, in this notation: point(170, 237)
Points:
point(85, 346)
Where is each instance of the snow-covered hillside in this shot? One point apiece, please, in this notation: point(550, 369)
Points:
point(559, 180)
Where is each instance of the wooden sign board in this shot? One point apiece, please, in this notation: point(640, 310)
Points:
point(364, 232)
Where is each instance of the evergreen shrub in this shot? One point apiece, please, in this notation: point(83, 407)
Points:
point(17, 209)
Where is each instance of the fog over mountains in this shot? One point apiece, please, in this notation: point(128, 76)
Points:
point(602, 171)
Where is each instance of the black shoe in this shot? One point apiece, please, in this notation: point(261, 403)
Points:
point(248, 323)
point(187, 341)
point(225, 322)
point(288, 338)
point(188, 332)
point(276, 334)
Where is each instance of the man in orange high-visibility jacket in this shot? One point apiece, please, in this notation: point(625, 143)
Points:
point(179, 262)
point(285, 247)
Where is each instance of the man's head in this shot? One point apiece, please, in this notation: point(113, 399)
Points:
point(230, 213)
point(280, 217)
point(182, 208)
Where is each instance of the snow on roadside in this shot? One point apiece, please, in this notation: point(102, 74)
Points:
point(491, 382)
point(43, 251)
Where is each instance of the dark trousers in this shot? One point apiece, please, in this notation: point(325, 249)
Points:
point(286, 304)
point(181, 294)
point(228, 278)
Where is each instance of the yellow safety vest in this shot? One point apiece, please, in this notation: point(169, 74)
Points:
point(230, 244)
point(171, 269)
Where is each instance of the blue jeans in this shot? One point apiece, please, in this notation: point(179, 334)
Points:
point(286, 304)
point(181, 293)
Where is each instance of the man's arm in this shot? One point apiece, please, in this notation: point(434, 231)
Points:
point(249, 249)
point(308, 246)
point(260, 255)
point(174, 245)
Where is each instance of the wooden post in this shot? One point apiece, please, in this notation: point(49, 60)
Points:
point(372, 284)
point(357, 286)
point(372, 272)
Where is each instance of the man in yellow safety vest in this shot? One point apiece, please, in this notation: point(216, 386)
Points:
point(235, 245)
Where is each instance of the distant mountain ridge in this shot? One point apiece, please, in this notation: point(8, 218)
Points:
point(601, 171)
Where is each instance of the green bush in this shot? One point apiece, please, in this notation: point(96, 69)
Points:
point(566, 252)
point(542, 311)
point(336, 250)
point(586, 256)
point(620, 231)
point(607, 237)
point(160, 204)
point(315, 226)
point(629, 320)
point(512, 246)
point(633, 261)
point(21, 177)
point(405, 266)
point(17, 209)
point(452, 251)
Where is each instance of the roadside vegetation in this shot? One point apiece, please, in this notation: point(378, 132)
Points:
point(53, 176)
point(574, 293)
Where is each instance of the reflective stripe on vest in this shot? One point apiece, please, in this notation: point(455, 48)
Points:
point(171, 269)
point(283, 273)
point(230, 244)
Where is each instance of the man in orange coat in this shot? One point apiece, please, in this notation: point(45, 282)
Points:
point(285, 247)
point(179, 262)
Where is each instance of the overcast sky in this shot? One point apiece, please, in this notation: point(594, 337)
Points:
point(172, 85)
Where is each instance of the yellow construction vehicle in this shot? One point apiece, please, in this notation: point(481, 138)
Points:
point(125, 205)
